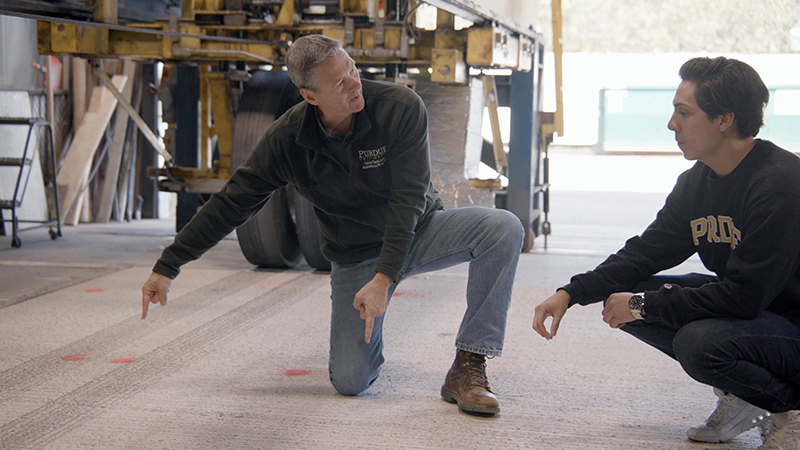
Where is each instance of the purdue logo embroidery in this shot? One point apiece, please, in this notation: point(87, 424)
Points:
point(716, 230)
point(371, 159)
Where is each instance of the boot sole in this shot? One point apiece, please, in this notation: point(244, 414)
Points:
point(476, 408)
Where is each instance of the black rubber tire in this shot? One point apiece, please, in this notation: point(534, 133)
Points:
point(269, 238)
point(308, 232)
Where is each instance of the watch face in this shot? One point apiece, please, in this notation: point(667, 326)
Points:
point(636, 302)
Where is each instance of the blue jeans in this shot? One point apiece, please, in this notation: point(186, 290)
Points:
point(756, 360)
point(489, 239)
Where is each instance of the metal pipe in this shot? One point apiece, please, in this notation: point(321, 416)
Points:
point(183, 51)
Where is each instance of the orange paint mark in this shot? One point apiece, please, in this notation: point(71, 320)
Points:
point(123, 360)
point(268, 287)
point(94, 290)
point(397, 294)
point(73, 358)
point(295, 372)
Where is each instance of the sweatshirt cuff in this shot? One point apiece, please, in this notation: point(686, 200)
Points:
point(575, 291)
point(388, 271)
point(653, 303)
point(164, 269)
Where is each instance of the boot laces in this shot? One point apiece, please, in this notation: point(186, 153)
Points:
point(475, 368)
point(723, 403)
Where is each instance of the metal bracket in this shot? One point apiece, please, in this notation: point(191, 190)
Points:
point(349, 31)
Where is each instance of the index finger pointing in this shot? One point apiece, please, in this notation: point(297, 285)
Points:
point(145, 305)
point(370, 322)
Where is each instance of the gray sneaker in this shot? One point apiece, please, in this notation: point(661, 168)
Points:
point(732, 417)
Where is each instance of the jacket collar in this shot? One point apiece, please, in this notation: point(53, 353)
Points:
point(309, 135)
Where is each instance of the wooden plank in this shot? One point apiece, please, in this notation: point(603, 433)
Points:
point(78, 161)
point(115, 156)
point(78, 90)
point(154, 140)
point(130, 199)
point(86, 209)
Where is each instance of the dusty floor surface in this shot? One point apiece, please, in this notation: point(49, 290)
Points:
point(238, 359)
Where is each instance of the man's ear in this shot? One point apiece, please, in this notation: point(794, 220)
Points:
point(727, 122)
point(309, 96)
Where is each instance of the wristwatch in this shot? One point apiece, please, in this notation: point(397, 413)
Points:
point(636, 304)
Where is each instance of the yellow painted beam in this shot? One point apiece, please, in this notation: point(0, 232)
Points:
point(222, 111)
point(286, 15)
point(558, 51)
point(490, 93)
point(448, 66)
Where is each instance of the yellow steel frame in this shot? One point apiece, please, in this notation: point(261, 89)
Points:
point(447, 51)
point(216, 120)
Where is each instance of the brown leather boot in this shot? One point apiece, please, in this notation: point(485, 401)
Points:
point(466, 385)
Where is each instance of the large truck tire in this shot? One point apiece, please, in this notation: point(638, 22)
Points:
point(269, 239)
point(308, 233)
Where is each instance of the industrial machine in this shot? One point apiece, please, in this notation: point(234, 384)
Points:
point(227, 56)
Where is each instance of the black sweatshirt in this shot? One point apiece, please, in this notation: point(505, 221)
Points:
point(745, 227)
point(368, 201)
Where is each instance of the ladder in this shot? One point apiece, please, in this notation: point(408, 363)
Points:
point(23, 176)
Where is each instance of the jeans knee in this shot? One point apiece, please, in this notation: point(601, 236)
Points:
point(694, 345)
point(350, 389)
point(350, 382)
point(508, 226)
point(353, 372)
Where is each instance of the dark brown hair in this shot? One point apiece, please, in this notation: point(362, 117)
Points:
point(724, 85)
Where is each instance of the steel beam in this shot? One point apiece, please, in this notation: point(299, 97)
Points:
point(525, 149)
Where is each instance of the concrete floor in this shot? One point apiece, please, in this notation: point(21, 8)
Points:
point(238, 359)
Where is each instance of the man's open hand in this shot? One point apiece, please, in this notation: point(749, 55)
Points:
point(554, 306)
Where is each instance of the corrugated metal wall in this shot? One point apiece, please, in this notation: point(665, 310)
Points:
point(17, 52)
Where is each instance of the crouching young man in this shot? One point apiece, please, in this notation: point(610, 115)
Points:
point(737, 330)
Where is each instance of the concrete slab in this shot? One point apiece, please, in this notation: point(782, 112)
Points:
point(238, 359)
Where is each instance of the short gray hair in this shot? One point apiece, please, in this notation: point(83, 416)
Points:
point(305, 54)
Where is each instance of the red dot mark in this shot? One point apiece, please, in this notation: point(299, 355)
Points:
point(92, 291)
point(73, 358)
point(295, 372)
point(123, 360)
point(397, 294)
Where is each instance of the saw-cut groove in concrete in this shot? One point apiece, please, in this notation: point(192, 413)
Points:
point(47, 423)
point(38, 370)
